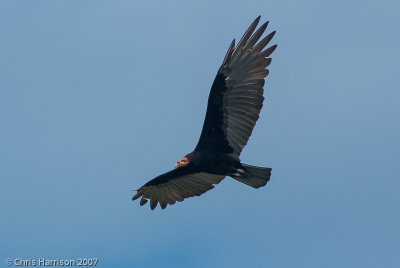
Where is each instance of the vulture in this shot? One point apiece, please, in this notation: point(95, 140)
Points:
point(234, 105)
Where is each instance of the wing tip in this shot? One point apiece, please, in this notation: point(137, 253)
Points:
point(143, 201)
point(136, 196)
point(265, 25)
point(266, 53)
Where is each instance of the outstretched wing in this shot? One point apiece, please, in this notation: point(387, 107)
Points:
point(176, 185)
point(236, 96)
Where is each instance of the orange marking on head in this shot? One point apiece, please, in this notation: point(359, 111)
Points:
point(182, 162)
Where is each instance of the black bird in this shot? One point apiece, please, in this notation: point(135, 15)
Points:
point(234, 105)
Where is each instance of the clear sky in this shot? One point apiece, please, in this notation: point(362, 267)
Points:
point(98, 97)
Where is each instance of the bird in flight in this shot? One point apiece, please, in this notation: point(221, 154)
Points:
point(234, 105)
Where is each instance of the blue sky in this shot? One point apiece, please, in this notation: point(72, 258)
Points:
point(98, 97)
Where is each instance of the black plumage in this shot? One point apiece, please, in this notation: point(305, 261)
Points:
point(234, 105)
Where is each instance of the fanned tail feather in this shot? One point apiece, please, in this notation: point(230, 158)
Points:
point(253, 176)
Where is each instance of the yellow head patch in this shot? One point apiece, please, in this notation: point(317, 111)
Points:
point(182, 162)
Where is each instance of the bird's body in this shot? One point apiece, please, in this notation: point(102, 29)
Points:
point(234, 105)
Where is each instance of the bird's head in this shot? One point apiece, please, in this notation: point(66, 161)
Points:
point(182, 162)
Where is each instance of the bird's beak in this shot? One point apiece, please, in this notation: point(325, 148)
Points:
point(177, 164)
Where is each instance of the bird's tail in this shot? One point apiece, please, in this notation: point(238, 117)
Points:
point(254, 176)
